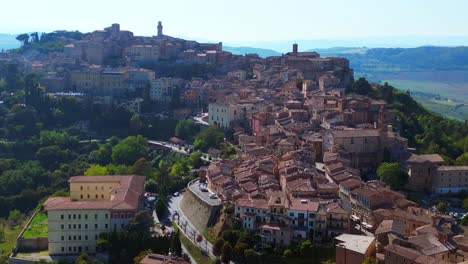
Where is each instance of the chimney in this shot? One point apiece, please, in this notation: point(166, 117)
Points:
point(295, 49)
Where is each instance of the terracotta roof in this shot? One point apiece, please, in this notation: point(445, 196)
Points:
point(393, 226)
point(126, 196)
point(303, 205)
point(425, 158)
point(402, 251)
point(356, 133)
point(252, 203)
point(355, 243)
point(351, 183)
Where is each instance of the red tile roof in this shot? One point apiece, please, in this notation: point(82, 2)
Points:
point(125, 197)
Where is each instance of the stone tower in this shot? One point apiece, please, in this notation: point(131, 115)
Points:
point(160, 28)
point(295, 49)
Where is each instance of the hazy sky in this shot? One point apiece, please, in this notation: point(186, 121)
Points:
point(243, 20)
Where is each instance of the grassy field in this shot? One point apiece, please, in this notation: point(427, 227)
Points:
point(37, 227)
point(453, 101)
point(194, 251)
point(11, 233)
point(451, 90)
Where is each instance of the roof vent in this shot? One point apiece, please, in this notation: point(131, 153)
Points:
point(303, 201)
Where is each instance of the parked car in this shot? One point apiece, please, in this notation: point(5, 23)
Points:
point(213, 196)
point(176, 194)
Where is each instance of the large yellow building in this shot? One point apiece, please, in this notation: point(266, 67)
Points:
point(97, 204)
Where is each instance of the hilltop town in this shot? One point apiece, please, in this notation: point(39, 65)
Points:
point(314, 163)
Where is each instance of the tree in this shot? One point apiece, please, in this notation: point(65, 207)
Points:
point(370, 260)
point(208, 138)
point(230, 236)
point(130, 150)
point(465, 203)
point(82, 259)
point(442, 207)
point(151, 186)
point(464, 220)
point(186, 129)
point(226, 252)
point(362, 86)
point(176, 246)
point(23, 38)
point(329, 262)
point(136, 124)
point(306, 248)
point(287, 253)
point(250, 256)
point(160, 206)
point(199, 238)
point(14, 217)
point(239, 250)
point(218, 246)
point(95, 170)
point(141, 167)
point(143, 222)
point(392, 175)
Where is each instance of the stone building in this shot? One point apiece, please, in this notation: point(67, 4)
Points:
point(96, 205)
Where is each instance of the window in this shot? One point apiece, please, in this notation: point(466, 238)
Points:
point(79, 216)
point(102, 196)
point(81, 196)
point(69, 226)
point(86, 216)
point(86, 226)
point(106, 216)
point(74, 216)
point(74, 226)
point(106, 226)
point(70, 249)
point(63, 249)
point(74, 237)
point(97, 196)
point(79, 226)
point(61, 216)
point(79, 237)
point(69, 216)
point(62, 227)
point(95, 216)
point(81, 188)
point(88, 196)
point(63, 238)
point(86, 237)
point(96, 226)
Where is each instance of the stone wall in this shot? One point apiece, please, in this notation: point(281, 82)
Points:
point(199, 212)
point(32, 244)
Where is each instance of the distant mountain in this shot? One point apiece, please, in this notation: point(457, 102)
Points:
point(8, 42)
point(403, 59)
point(369, 42)
point(249, 50)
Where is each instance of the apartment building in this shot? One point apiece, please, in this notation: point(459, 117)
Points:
point(96, 205)
point(449, 179)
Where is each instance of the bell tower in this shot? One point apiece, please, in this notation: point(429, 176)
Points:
point(160, 29)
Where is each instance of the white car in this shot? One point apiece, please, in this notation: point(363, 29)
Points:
point(176, 194)
point(213, 196)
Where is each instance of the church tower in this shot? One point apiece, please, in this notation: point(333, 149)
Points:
point(160, 28)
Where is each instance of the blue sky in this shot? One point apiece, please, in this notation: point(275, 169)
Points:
point(244, 20)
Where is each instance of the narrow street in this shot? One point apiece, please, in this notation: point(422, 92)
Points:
point(184, 223)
